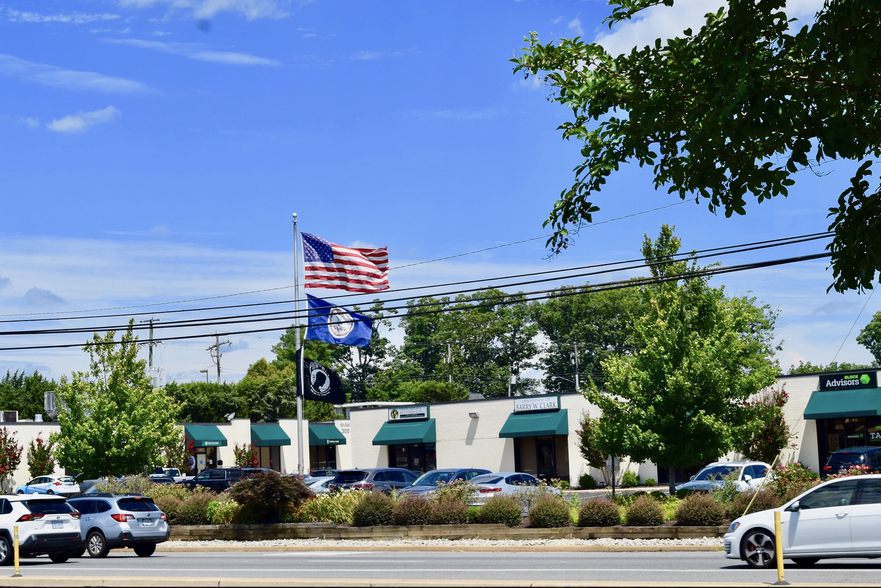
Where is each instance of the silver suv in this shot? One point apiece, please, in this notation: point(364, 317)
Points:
point(46, 525)
point(110, 521)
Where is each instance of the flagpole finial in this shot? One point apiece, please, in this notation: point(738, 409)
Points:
point(295, 216)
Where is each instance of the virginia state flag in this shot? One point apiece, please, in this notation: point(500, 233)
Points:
point(335, 324)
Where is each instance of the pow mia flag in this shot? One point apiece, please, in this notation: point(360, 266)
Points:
point(319, 383)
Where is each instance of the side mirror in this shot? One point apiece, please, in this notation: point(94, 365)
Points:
point(794, 507)
point(747, 478)
point(691, 478)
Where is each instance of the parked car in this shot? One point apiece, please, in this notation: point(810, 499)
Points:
point(506, 483)
point(164, 480)
point(60, 485)
point(110, 521)
point(744, 475)
point(220, 479)
point(842, 459)
point(375, 479)
point(429, 481)
point(318, 485)
point(322, 473)
point(46, 525)
point(175, 474)
point(838, 518)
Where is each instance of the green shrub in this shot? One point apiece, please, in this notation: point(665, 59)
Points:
point(791, 480)
point(644, 512)
point(335, 507)
point(194, 509)
point(658, 495)
point(700, 510)
point(222, 512)
point(472, 514)
point(559, 484)
point(171, 507)
point(651, 482)
point(550, 511)
point(458, 491)
point(501, 509)
point(412, 510)
point(179, 492)
point(127, 485)
point(728, 490)
point(684, 493)
point(599, 512)
point(586, 481)
point(451, 513)
point(765, 500)
point(373, 509)
point(253, 514)
point(629, 480)
point(272, 492)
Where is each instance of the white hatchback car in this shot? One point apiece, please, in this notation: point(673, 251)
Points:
point(744, 474)
point(46, 525)
point(839, 518)
point(51, 484)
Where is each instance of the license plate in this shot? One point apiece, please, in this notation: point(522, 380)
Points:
point(146, 523)
point(57, 524)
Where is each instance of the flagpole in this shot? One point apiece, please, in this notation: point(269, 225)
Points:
point(298, 356)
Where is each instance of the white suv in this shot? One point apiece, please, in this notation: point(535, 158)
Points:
point(46, 524)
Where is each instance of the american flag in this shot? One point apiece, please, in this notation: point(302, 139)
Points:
point(328, 265)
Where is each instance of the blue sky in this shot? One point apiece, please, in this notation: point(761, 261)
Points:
point(154, 150)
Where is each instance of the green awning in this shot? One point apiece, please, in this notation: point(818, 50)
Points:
point(536, 424)
point(269, 435)
point(405, 433)
point(205, 435)
point(325, 435)
point(838, 404)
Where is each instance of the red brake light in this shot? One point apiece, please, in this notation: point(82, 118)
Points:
point(163, 517)
point(363, 485)
point(75, 514)
point(121, 518)
point(827, 468)
point(29, 517)
point(485, 490)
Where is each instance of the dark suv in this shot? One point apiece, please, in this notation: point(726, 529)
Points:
point(375, 479)
point(220, 479)
point(842, 459)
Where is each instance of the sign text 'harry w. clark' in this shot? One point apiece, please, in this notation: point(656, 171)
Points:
point(536, 403)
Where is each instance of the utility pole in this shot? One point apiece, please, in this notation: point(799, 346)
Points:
point(575, 361)
point(151, 344)
point(214, 350)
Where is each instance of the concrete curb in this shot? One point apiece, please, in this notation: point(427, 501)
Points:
point(447, 548)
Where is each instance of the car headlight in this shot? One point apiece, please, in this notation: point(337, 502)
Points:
point(733, 526)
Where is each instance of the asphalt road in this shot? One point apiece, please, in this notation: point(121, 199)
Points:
point(406, 568)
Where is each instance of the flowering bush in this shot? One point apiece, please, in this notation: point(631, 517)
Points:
point(559, 484)
point(791, 480)
point(772, 434)
point(246, 456)
point(457, 491)
point(10, 454)
point(40, 460)
point(853, 470)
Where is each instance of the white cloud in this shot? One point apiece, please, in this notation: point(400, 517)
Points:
point(575, 26)
point(76, 18)
point(78, 123)
point(374, 55)
point(160, 33)
point(49, 75)
point(663, 22)
point(195, 51)
point(458, 114)
point(30, 121)
point(250, 9)
point(40, 297)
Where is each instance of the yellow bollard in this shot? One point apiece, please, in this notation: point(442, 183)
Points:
point(15, 550)
point(778, 549)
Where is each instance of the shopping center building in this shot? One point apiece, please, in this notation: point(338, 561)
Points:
point(533, 434)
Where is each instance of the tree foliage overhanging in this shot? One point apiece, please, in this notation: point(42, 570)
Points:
point(734, 109)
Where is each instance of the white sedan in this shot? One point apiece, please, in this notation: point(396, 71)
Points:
point(510, 484)
point(839, 518)
point(318, 485)
point(61, 485)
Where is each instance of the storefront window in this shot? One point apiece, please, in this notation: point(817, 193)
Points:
point(851, 432)
point(420, 457)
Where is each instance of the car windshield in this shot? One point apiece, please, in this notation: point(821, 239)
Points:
point(67, 480)
point(840, 459)
point(486, 479)
point(48, 506)
point(434, 478)
point(136, 505)
point(713, 473)
point(349, 477)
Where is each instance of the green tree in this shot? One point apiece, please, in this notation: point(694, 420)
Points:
point(587, 444)
point(204, 402)
point(588, 326)
point(268, 393)
point(772, 433)
point(870, 337)
point(41, 461)
point(735, 108)
point(24, 393)
point(112, 422)
point(10, 457)
point(809, 368)
point(680, 400)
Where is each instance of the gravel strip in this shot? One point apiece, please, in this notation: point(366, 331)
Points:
point(708, 542)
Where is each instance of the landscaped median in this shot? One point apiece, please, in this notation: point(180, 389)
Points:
point(328, 531)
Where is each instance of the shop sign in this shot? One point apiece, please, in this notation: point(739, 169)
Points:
point(849, 381)
point(210, 443)
point(407, 413)
point(536, 403)
point(331, 441)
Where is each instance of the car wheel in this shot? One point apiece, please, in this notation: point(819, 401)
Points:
point(96, 545)
point(145, 550)
point(50, 492)
point(20, 492)
point(805, 561)
point(758, 549)
point(59, 557)
point(5, 551)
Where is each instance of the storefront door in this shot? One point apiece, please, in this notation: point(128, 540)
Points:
point(420, 457)
point(546, 458)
